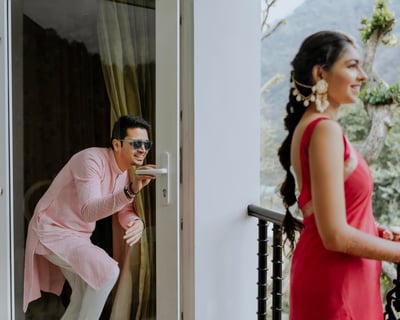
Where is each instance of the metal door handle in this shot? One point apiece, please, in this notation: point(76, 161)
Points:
point(163, 179)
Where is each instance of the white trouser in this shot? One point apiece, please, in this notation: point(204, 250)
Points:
point(85, 303)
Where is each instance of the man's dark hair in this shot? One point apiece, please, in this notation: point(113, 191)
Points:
point(127, 122)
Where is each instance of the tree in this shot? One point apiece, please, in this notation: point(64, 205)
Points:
point(381, 102)
point(379, 98)
point(376, 130)
point(266, 28)
point(269, 163)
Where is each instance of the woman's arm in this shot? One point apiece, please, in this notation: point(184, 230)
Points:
point(328, 199)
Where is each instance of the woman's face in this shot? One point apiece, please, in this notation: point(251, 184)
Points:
point(345, 78)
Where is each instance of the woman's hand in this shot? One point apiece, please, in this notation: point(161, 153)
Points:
point(134, 232)
point(389, 233)
point(395, 232)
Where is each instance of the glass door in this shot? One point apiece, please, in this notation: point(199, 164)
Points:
point(83, 64)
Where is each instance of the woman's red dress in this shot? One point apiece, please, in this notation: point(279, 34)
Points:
point(327, 285)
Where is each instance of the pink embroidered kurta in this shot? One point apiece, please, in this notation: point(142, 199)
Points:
point(88, 188)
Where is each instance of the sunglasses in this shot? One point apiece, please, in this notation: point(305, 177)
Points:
point(137, 144)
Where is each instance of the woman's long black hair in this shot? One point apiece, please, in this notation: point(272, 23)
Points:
point(323, 48)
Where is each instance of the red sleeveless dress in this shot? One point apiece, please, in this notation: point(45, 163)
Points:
point(327, 285)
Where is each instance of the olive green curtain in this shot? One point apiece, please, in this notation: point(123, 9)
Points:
point(126, 46)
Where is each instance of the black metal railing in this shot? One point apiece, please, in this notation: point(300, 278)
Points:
point(266, 217)
point(392, 307)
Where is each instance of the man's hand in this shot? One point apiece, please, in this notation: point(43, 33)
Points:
point(134, 232)
point(141, 180)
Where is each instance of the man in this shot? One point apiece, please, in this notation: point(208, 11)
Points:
point(92, 185)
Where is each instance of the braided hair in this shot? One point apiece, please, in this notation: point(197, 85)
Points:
point(323, 48)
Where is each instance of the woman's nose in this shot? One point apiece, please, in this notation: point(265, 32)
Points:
point(363, 76)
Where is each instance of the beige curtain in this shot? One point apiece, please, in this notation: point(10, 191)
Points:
point(125, 44)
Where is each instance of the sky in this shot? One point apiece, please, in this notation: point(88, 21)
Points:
point(282, 9)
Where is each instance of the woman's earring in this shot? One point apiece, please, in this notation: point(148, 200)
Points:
point(321, 91)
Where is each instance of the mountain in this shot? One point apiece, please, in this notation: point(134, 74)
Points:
point(279, 49)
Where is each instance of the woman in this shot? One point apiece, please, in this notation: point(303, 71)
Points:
point(336, 262)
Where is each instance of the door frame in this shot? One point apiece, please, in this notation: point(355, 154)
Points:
point(168, 146)
point(187, 160)
point(167, 141)
point(6, 240)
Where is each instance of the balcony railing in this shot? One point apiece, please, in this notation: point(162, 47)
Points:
point(266, 217)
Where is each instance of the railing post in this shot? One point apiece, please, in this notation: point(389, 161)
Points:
point(264, 217)
point(277, 273)
point(393, 299)
point(262, 270)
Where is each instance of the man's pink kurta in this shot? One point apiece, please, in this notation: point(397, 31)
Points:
point(88, 188)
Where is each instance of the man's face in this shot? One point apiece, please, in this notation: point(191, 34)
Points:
point(129, 152)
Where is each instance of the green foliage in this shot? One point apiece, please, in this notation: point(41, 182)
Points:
point(276, 57)
point(385, 171)
point(386, 197)
point(381, 94)
point(382, 21)
point(354, 119)
point(386, 284)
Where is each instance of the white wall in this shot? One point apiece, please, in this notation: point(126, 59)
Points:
point(226, 45)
